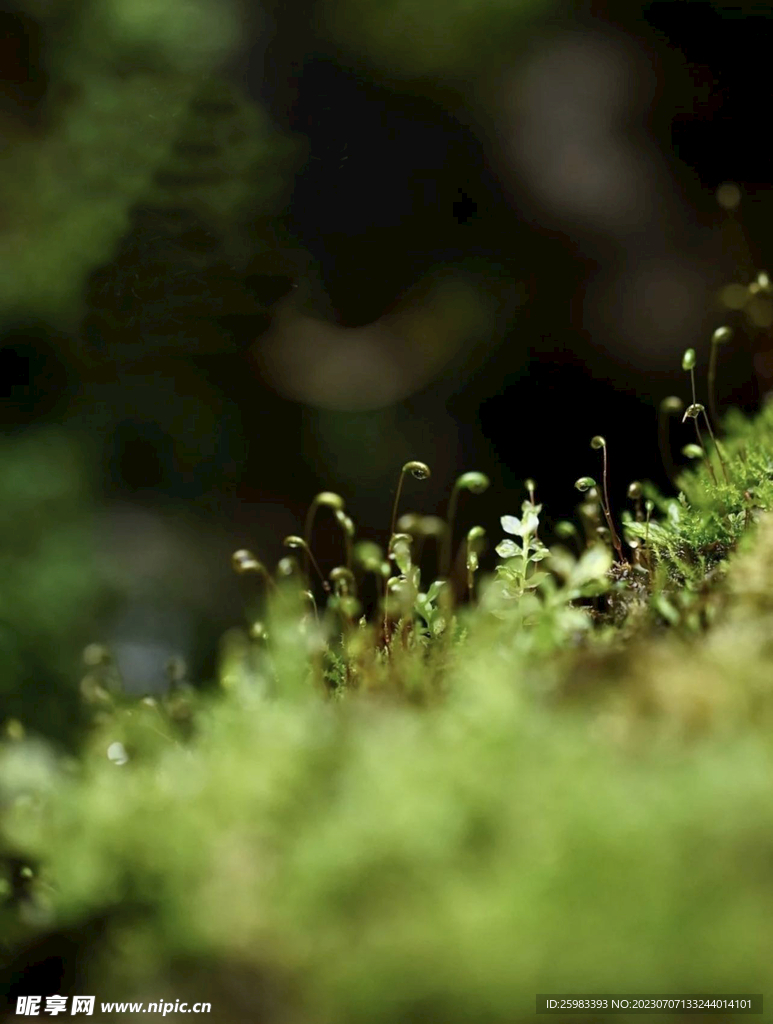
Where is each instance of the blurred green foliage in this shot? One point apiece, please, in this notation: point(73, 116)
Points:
point(449, 41)
point(137, 191)
point(51, 581)
point(123, 80)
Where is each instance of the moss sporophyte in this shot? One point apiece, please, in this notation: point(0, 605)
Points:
point(695, 531)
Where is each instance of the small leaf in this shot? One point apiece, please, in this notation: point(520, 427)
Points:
point(688, 359)
point(511, 524)
point(511, 569)
point(535, 579)
point(435, 588)
point(507, 549)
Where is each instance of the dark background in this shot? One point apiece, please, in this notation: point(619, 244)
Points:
point(576, 199)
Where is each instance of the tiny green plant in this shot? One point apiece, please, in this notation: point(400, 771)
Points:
point(635, 494)
point(423, 528)
point(347, 525)
point(344, 598)
point(670, 406)
point(522, 554)
point(695, 410)
point(244, 563)
point(599, 443)
point(721, 336)
point(475, 537)
point(295, 543)
point(474, 482)
point(419, 471)
point(325, 499)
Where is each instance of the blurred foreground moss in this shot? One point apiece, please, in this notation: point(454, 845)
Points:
point(560, 787)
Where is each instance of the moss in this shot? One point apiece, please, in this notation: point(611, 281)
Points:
point(562, 786)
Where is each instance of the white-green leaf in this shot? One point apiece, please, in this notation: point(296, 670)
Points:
point(511, 524)
point(535, 579)
point(507, 548)
point(529, 524)
point(593, 565)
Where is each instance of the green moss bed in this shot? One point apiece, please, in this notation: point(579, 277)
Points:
point(556, 778)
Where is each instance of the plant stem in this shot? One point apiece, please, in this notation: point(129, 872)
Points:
point(708, 460)
point(394, 507)
point(525, 539)
point(647, 540)
point(325, 584)
point(664, 444)
point(445, 556)
point(712, 380)
point(607, 512)
point(389, 546)
point(716, 446)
